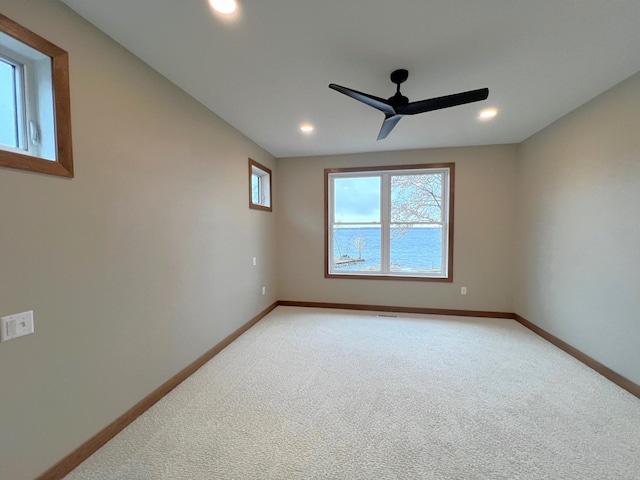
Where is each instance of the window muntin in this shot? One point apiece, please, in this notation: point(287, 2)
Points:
point(259, 186)
point(392, 222)
point(34, 84)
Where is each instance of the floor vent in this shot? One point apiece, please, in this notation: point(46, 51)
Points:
point(388, 316)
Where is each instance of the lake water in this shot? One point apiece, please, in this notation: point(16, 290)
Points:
point(419, 249)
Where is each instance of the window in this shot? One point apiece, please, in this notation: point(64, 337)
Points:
point(390, 222)
point(11, 99)
point(35, 123)
point(259, 186)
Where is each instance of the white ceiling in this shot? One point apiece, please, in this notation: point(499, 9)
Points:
point(268, 71)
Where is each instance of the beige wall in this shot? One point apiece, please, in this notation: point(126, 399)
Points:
point(578, 273)
point(143, 261)
point(134, 268)
point(483, 238)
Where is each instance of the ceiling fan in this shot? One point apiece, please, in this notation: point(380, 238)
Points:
point(398, 106)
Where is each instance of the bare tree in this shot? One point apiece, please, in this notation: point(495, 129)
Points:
point(359, 243)
point(415, 198)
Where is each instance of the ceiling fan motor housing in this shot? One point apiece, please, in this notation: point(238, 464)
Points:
point(399, 76)
point(398, 99)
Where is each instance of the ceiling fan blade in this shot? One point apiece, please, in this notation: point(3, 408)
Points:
point(375, 102)
point(390, 121)
point(443, 102)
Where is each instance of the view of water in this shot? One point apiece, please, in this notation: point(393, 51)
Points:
point(419, 249)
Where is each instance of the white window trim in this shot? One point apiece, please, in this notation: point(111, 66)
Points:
point(385, 174)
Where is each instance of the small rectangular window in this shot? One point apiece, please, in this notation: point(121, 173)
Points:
point(259, 186)
point(35, 123)
point(390, 222)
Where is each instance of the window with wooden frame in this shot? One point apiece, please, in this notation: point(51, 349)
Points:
point(35, 113)
point(391, 223)
point(259, 186)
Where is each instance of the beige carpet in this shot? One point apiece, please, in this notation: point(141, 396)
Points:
point(326, 394)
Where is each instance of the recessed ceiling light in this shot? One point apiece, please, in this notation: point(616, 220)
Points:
point(488, 114)
point(225, 7)
point(306, 128)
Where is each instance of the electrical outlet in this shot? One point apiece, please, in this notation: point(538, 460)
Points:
point(463, 290)
point(17, 325)
point(254, 261)
point(264, 290)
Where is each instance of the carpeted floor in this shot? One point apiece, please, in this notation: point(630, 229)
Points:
point(328, 394)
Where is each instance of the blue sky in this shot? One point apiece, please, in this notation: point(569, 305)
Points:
point(7, 105)
point(357, 199)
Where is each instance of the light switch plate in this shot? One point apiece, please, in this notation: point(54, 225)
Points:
point(17, 325)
